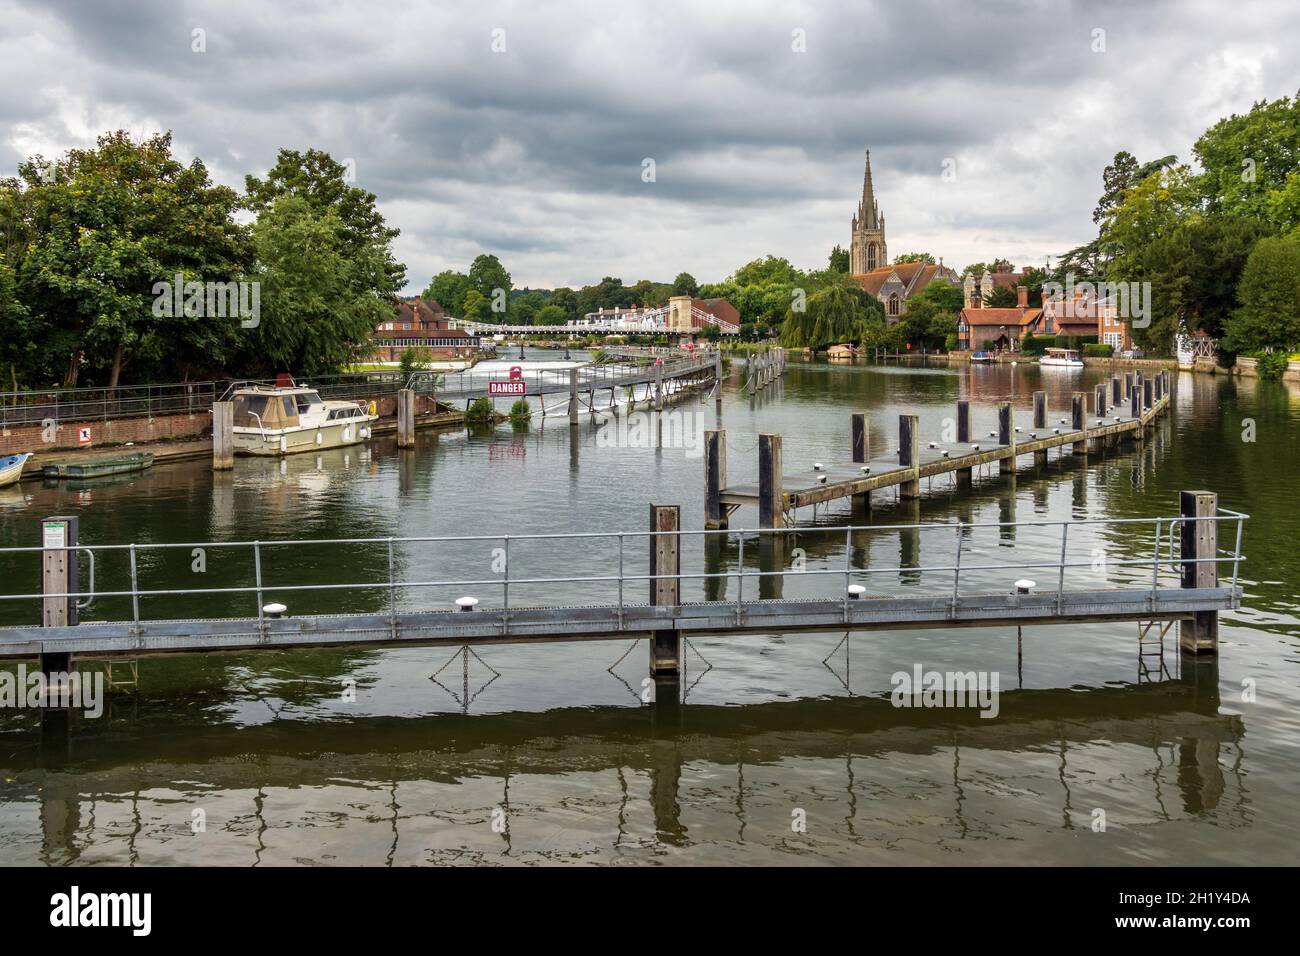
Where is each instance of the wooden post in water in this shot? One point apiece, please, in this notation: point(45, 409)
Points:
point(1135, 407)
point(861, 427)
point(1128, 384)
point(1199, 634)
point(58, 577)
point(665, 558)
point(1007, 438)
point(223, 436)
point(717, 376)
point(1116, 390)
point(771, 491)
point(963, 438)
point(1079, 421)
point(715, 478)
point(909, 454)
point(573, 396)
point(1040, 427)
point(1148, 395)
point(659, 388)
point(406, 418)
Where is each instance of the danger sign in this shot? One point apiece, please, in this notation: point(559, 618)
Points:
point(514, 387)
point(83, 436)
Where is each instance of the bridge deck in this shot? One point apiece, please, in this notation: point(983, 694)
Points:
point(539, 625)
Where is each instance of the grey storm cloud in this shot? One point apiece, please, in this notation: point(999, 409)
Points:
point(535, 153)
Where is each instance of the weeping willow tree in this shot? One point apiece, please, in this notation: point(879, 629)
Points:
point(830, 316)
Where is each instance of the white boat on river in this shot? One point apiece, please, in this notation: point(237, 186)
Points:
point(1066, 358)
point(276, 420)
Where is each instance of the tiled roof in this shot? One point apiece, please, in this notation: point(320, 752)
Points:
point(986, 317)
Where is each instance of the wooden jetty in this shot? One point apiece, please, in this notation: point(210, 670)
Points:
point(1125, 407)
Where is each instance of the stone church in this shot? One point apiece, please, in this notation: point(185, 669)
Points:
point(869, 264)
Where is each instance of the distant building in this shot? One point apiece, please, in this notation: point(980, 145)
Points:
point(1004, 278)
point(421, 324)
point(869, 259)
point(979, 328)
point(1086, 315)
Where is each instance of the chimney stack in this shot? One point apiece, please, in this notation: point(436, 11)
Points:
point(1022, 296)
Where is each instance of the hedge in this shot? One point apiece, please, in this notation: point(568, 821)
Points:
point(1100, 351)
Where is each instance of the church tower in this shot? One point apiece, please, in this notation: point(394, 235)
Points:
point(867, 247)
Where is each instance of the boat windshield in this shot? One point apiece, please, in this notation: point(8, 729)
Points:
point(305, 399)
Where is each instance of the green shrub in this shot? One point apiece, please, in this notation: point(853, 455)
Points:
point(481, 412)
point(1035, 344)
point(1098, 350)
point(1271, 365)
point(521, 413)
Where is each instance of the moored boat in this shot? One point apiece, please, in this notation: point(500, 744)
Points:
point(100, 467)
point(1065, 358)
point(981, 357)
point(11, 468)
point(283, 420)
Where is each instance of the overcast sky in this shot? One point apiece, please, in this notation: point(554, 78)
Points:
point(536, 153)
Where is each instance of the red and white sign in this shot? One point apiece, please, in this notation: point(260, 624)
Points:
point(515, 387)
point(83, 436)
point(516, 372)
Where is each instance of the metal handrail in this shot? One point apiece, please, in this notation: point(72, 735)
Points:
point(622, 577)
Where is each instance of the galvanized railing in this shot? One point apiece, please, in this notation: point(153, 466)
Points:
point(475, 382)
point(105, 404)
point(1158, 557)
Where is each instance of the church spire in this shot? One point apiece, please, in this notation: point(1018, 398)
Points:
point(868, 212)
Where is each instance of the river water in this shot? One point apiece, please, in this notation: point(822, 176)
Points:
point(786, 748)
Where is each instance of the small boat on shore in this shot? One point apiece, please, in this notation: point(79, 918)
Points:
point(100, 467)
point(11, 468)
point(1065, 358)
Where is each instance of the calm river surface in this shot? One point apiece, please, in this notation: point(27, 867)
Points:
point(1186, 765)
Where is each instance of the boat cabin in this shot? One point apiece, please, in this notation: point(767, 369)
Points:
point(268, 408)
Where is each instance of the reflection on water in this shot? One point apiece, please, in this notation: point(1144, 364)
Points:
point(409, 755)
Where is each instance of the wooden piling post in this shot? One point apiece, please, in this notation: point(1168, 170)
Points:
point(1135, 404)
point(665, 558)
point(1148, 395)
point(715, 478)
point(909, 454)
point(1116, 390)
point(406, 418)
point(1198, 542)
point(717, 376)
point(861, 430)
point(59, 535)
point(659, 388)
point(223, 436)
point(771, 491)
point(1128, 384)
point(1007, 437)
point(964, 475)
point(1079, 421)
point(1040, 427)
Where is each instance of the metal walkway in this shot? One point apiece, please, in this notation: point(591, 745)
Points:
point(835, 585)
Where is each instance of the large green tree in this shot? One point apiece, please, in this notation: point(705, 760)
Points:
point(1251, 164)
point(320, 294)
point(1269, 315)
point(448, 289)
point(104, 226)
point(489, 278)
point(325, 184)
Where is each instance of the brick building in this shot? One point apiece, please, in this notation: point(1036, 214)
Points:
point(423, 325)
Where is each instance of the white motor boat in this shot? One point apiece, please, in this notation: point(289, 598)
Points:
point(11, 468)
point(280, 420)
point(1065, 358)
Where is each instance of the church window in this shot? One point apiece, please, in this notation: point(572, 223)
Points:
point(893, 303)
point(871, 257)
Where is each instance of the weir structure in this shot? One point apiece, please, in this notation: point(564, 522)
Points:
point(1125, 407)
